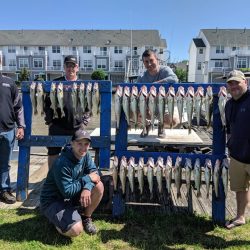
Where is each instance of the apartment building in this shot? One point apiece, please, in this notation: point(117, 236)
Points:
point(42, 52)
point(215, 52)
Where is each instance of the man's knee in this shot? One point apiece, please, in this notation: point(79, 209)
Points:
point(74, 231)
point(99, 189)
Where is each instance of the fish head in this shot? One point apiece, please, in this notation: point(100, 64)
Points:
point(126, 91)
point(169, 161)
point(40, 87)
point(223, 91)
point(180, 91)
point(209, 91)
point(33, 85)
point(162, 91)
point(134, 91)
point(188, 163)
point(60, 87)
point(144, 91)
point(150, 162)
point(199, 91)
point(82, 86)
point(96, 86)
point(116, 161)
point(208, 163)
point(89, 87)
point(123, 162)
point(119, 91)
point(190, 91)
point(225, 162)
point(152, 91)
point(52, 87)
point(74, 86)
point(171, 91)
point(131, 161)
point(197, 163)
point(178, 161)
point(141, 162)
point(160, 162)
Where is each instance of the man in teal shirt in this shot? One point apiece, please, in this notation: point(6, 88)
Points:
point(73, 182)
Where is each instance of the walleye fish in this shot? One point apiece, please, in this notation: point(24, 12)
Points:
point(168, 173)
point(40, 98)
point(115, 172)
point(152, 104)
point(82, 97)
point(177, 175)
point(53, 99)
point(118, 105)
point(216, 176)
point(209, 105)
point(125, 103)
point(161, 105)
point(143, 105)
point(198, 100)
point(60, 98)
point(222, 103)
point(208, 170)
point(96, 98)
point(150, 175)
point(123, 173)
point(197, 176)
point(170, 103)
point(224, 174)
point(134, 105)
point(140, 174)
point(159, 166)
point(74, 96)
point(131, 173)
point(33, 97)
point(89, 98)
point(188, 171)
point(180, 97)
point(189, 99)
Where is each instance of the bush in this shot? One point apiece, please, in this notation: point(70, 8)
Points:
point(98, 75)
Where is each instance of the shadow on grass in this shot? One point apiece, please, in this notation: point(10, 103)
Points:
point(36, 228)
point(163, 232)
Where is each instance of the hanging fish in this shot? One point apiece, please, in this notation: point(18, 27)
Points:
point(197, 176)
point(209, 105)
point(159, 166)
point(82, 97)
point(60, 98)
point(33, 97)
point(168, 173)
point(96, 98)
point(118, 105)
point(161, 108)
point(131, 173)
point(123, 173)
point(53, 99)
point(189, 99)
point(125, 103)
point(115, 172)
point(224, 174)
point(89, 98)
point(152, 104)
point(143, 106)
point(188, 171)
point(180, 97)
point(170, 103)
point(134, 105)
point(74, 96)
point(140, 174)
point(222, 103)
point(216, 176)
point(208, 170)
point(177, 175)
point(150, 175)
point(198, 100)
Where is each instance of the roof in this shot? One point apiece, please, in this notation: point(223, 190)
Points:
point(81, 37)
point(199, 42)
point(227, 37)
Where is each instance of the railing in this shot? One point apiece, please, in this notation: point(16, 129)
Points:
point(9, 68)
point(54, 68)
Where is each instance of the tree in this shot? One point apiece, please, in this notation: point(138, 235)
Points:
point(24, 75)
point(181, 74)
point(98, 75)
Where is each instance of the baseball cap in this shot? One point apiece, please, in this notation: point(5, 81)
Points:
point(235, 75)
point(81, 134)
point(70, 59)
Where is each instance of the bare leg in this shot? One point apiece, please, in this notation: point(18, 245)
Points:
point(96, 196)
point(51, 159)
point(74, 231)
point(242, 198)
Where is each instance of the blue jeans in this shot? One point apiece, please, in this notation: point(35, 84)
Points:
point(7, 140)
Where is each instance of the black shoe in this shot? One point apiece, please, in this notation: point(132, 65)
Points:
point(161, 132)
point(145, 131)
point(7, 197)
point(89, 226)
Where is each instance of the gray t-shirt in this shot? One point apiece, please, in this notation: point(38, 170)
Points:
point(165, 73)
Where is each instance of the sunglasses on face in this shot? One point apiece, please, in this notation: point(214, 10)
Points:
point(70, 65)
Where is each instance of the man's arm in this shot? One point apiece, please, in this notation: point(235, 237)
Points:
point(167, 75)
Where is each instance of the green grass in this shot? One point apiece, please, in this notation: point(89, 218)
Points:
point(27, 229)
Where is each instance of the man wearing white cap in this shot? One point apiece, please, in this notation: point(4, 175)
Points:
point(237, 113)
point(72, 189)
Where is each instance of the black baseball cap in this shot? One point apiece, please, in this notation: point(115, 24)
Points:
point(81, 134)
point(70, 59)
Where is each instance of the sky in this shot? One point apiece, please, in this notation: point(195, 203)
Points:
point(178, 21)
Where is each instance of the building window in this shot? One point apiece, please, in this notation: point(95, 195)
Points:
point(87, 49)
point(118, 64)
point(101, 63)
point(149, 47)
point(11, 49)
point(12, 62)
point(118, 50)
point(41, 48)
point(135, 51)
point(103, 51)
point(23, 63)
point(234, 48)
point(38, 63)
point(56, 49)
point(87, 64)
point(219, 49)
point(242, 62)
point(57, 64)
point(199, 66)
point(135, 63)
point(200, 51)
point(218, 64)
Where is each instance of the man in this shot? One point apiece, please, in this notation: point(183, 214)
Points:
point(68, 124)
point(11, 114)
point(72, 189)
point(157, 74)
point(237, 113)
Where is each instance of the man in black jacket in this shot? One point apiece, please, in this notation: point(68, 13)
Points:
point(67, 124)
point(11, 114)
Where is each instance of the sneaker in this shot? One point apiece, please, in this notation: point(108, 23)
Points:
point(89, 226)
point(7, 197)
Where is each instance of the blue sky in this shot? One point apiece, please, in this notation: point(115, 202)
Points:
point(177, 20)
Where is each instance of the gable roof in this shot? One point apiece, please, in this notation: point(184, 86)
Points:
point(227, 37)
point(199, 42)
point(81, 37)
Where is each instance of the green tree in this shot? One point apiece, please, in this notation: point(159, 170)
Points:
point(181, 74)
point(24, 75)
point(98, 75)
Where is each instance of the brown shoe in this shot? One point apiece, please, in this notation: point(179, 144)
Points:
point(161, 131)
point(7, 197)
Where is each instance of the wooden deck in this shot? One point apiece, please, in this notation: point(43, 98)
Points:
point(39, 168)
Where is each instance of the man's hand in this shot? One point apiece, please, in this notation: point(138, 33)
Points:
point(94, 177)
point(85, 198)
point(19, 133)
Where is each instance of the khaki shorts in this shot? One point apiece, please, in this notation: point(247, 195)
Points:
point(239, 175)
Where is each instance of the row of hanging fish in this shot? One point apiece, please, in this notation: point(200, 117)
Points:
point(166, 170)
point(85, 97)
point(155, 103)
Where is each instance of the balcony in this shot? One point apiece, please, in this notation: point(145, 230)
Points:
point(117, 69)
point(9, 68)
point(219, 69)
point(87, 69)
point(54, 68)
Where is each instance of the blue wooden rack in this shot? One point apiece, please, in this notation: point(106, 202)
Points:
point(218, 151)
point(100, 143)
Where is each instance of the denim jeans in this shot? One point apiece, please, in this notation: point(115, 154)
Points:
point(7, 140)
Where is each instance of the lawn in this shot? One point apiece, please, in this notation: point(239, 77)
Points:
point(27, 229)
